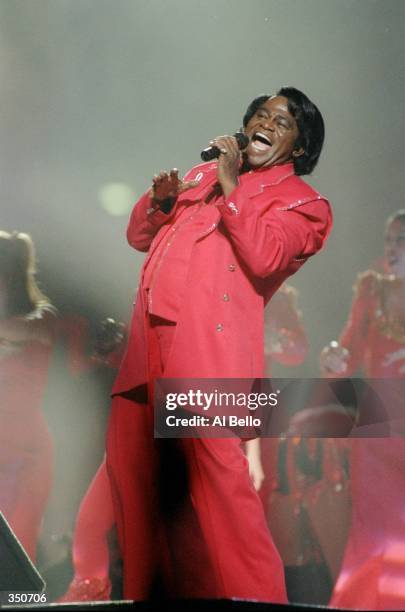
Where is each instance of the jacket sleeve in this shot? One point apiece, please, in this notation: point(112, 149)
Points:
point(270, 237)
point(145, 222)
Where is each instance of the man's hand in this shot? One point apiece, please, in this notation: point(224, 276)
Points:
point(167, 185)
point(256, 471)
point(228, 163)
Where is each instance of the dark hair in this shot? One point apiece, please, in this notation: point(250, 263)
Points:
point(17, 271)
point(310, 125)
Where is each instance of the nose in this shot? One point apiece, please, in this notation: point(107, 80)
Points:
point(268, 123)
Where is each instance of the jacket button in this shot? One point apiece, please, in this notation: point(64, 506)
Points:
point(220, 327)
point(231, 267)
point(226, 297)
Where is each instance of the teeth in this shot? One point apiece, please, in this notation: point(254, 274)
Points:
point(262, 137)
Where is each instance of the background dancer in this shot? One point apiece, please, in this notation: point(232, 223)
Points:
point(27, 323)
point(373, 339)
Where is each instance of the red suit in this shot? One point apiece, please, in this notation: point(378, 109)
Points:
point(90, 551)
point(231, 255)
point(95, 518)
point(372, 574)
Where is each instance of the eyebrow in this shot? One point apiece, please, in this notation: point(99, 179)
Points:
point(277, 115)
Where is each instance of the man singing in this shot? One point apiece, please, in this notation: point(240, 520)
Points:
point(220, 242)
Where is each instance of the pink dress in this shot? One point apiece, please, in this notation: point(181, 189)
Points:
point(372, 575)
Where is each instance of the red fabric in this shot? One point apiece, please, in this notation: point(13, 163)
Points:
point(362, 336)
point(94, 521)
point(372, 575)
point(281, 315)
point(283, 325)
point(280, 222)
point(247, 246)
point(26, 449)
point(217, 547)
point(244, 561)
point(173, 253)
point(95, 517)
point(74, 331)
point(300, 541)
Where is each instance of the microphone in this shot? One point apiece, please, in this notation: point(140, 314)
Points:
point(213, 152)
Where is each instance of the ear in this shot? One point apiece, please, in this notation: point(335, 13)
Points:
point(298, 152)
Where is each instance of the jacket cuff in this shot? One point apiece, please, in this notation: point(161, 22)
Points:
point(159, 214)
point(233, 204)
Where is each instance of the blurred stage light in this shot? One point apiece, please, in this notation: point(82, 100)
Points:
point(117, 199)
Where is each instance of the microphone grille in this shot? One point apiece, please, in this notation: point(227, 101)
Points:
point(242, 139)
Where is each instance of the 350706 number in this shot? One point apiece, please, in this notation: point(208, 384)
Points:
point(18, 598)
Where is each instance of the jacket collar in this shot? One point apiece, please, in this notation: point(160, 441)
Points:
point(256, 179)
point(274, 174)
point(265, 177)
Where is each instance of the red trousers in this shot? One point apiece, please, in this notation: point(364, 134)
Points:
point(94, 521)
point(215, 541)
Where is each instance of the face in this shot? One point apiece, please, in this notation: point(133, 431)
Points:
point(273, 132)
point(394, 247)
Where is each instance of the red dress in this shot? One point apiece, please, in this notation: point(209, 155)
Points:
point(25, 442)
point(305, 488)
point(285, 339)
point(372, 574)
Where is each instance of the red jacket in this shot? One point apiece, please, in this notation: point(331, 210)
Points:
point(253, 240)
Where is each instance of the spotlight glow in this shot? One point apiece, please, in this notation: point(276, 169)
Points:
point(117, 199)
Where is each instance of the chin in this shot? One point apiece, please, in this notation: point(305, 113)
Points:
point(252, 161)
point(255, 163)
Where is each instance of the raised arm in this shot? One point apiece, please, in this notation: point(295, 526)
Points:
point(269, 239)
point(269, 235)
point(343, 358)
point(155, 208)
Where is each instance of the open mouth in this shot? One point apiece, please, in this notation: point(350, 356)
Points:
point(261, 142)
